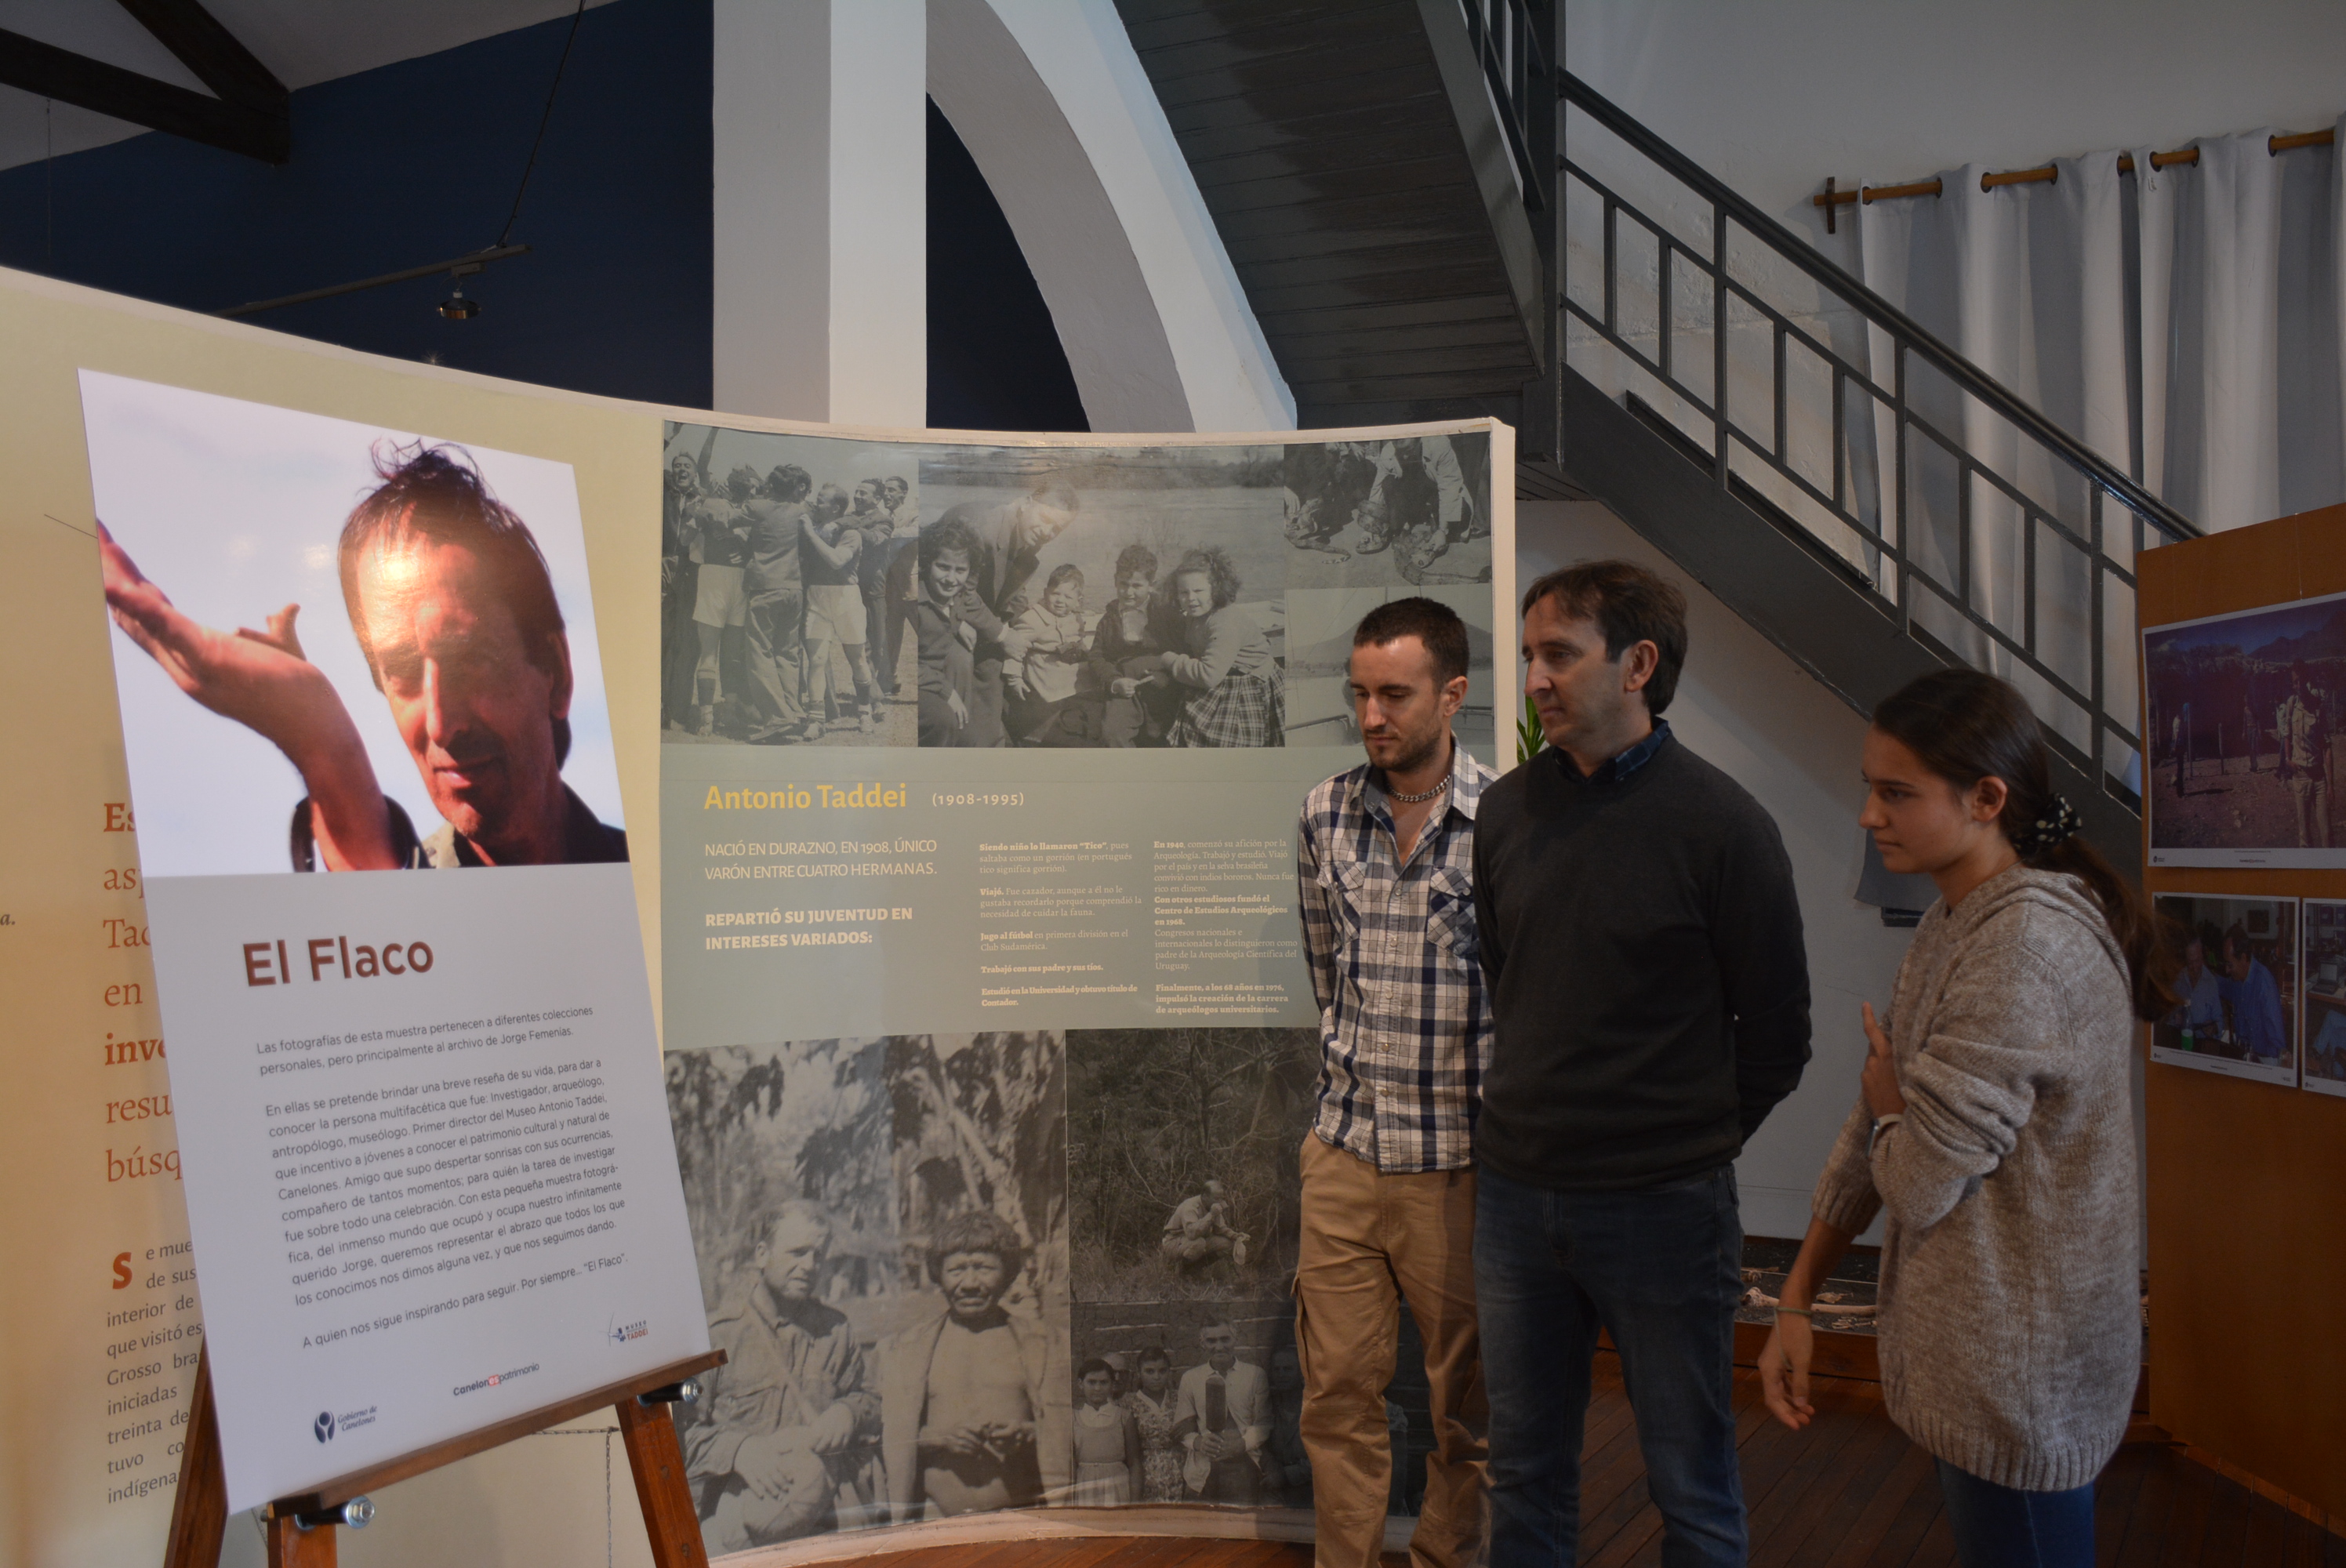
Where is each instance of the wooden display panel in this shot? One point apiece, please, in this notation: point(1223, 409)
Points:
point(2247, 1180)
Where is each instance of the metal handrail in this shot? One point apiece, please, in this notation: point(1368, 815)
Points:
point(1922, 573)
point(1513, 65)
point(1908, 333)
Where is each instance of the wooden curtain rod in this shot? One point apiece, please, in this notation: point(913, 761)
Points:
point(1830, 197)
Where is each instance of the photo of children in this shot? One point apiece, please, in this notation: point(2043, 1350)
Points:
point(1102, 598)
point(2325, 995)
point(341, 647)
point(2239, 987)
point(2240, 757)
point(1108, 1440)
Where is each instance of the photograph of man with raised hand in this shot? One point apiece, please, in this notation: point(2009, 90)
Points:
point(1384, 854)
point(456, 621)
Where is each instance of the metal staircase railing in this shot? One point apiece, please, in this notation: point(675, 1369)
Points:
point(1984, 530)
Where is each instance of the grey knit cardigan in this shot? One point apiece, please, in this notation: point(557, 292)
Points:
point(2010, 1320)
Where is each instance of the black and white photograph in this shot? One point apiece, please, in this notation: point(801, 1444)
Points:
point(880, 1230)
point(1413, 510)
point(1226, 1365)
point(2240, 756)
point(1073, 597)
point(1181, 1159)
point(1319, 626)
point(2239, 987)
point(2324, 1051)
point(786, 582)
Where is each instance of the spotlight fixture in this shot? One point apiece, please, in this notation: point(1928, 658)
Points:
point(455, 307)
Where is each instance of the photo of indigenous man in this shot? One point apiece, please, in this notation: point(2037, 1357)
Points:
point(967, 1422)
point(454, 607)
point(789, 1420)
point(1222, 1418)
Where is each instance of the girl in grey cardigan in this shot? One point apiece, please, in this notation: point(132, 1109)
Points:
point(1994, 1129)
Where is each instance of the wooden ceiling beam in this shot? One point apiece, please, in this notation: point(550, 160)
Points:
point(211, 52)
point(238, 126)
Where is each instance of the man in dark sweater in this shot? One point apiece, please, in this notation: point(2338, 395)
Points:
point(1642, 945)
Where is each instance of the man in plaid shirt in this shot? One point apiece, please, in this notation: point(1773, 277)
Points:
point(1383, 859)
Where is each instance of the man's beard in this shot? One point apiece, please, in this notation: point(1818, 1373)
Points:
point(1417, 756)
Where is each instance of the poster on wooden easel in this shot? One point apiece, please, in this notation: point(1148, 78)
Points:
point(429, 1175)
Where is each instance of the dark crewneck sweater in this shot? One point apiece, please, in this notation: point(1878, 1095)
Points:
point(1642, 943)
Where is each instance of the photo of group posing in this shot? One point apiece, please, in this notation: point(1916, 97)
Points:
point(778, 622)
point(1077, 596)
point(821, 591)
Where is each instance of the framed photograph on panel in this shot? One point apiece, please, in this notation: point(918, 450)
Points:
point(2240, 752)
point(2324, 969)
point(2239, 987)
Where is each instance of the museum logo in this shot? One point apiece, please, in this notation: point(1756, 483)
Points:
point(620, 1333)
point(328, 1423)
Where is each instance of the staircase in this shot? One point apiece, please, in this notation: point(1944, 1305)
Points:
point(1873, 502)
point(1387, 178)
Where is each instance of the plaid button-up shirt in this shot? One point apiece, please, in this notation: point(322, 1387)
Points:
point(1404, 1026)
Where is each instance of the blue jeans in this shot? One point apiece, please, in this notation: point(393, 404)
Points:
point(1661, 1270)
point(2001, 1527)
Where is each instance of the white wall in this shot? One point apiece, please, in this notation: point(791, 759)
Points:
point(1772, 98)
point(1744, 706)
point(821, 185)
point(820, 205)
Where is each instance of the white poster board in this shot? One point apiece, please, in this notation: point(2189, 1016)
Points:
point(429, 1176)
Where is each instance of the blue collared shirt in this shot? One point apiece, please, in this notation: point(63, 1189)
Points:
point(1617, 768)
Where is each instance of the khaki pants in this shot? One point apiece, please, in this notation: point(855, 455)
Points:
point(1369, 1240)
point(2311, 792)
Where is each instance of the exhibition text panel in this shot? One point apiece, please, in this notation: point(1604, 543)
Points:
point(968, 891)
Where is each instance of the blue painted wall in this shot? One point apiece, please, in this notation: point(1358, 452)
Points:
point(418, 161)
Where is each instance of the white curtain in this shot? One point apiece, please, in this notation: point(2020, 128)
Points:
point(2027, 281)
point(2184, 322)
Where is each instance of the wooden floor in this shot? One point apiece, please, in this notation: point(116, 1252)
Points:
point(1849, 1491)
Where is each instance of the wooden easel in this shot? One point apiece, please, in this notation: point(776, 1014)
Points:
point(301, 1528)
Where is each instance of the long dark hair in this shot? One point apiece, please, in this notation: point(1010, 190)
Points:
point(1964, 726)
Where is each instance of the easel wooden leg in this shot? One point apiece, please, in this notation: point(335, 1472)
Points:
point(200, 1510)
point(291, 1546)
point(658, 1460)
